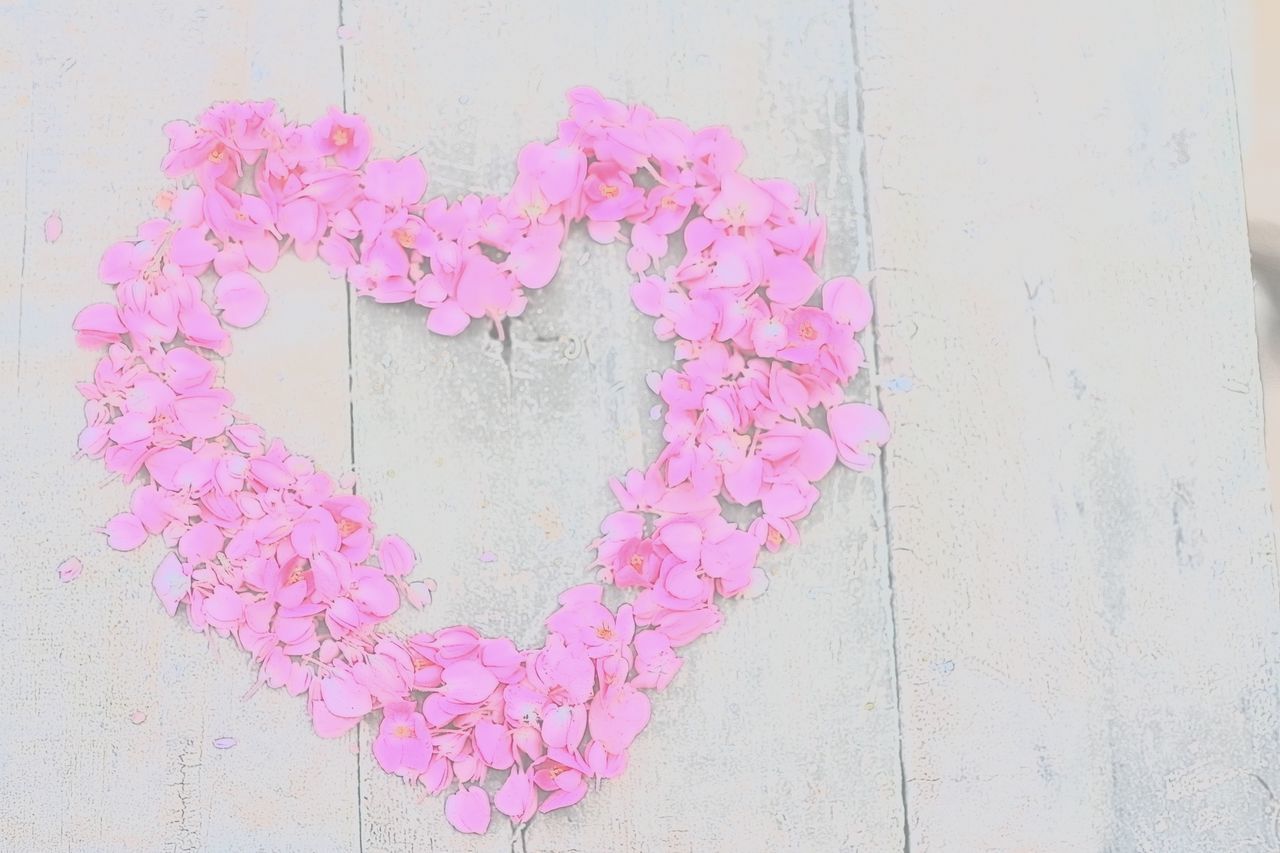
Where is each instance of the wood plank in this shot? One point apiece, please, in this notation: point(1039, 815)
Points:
point(1084, 576)
point(87, 89)
point(782, 733)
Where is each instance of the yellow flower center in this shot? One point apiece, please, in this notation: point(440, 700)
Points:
point(404, 236)
point(340, 136)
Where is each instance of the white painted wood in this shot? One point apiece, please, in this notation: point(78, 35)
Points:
point(781, 734)
point(86, 88)
point(1083, 571)
point(1084, 577)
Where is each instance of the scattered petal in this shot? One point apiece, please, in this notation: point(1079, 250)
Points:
point(70, 569)
point(52, 227)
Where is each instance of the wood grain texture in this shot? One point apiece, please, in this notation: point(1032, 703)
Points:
point(1084, 577)
point(781, 733)
point(86, 92)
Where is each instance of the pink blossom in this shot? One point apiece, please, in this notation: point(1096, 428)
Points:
point(610, 193)
point(403, 745)
point(344, 137)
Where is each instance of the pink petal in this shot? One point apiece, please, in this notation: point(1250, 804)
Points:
point(52, 227)
point(171, 583)
point(201, 543)
point(188, 248)
point(98, 324)
point(419, 594)
point(493, 742)
point(447, 319)
point(516, 798)
point(853, 426)
point(344, 697)
point(847, 301)
point(468, 810)
point(791, 281)
point(563, 798)
point(224, 606)
point(817, 455)
point(70, 569)
point(617, 716)
point(125, 532)
point(240, 298)
point(395, 556)
point(534, 263)
point(376, 595)
point(117, 263)
point(468, 681)
point(302, 220)
point(740, 202)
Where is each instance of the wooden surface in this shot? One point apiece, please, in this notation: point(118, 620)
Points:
point(1047, 622)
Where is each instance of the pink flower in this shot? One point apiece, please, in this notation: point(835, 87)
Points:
point(807, 330)
point(582, 619)
point(610, 193)
point(740, 202)
point(403, 745)
point(344, 137)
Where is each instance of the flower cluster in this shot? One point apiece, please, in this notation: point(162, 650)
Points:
point(267, 550)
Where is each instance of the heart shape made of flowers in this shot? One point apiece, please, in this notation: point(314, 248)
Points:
point(268, 550)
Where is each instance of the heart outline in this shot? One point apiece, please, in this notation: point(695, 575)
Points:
point(280, 561)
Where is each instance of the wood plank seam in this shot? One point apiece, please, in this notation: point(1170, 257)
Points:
point(351, 432)
point(867, 238)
